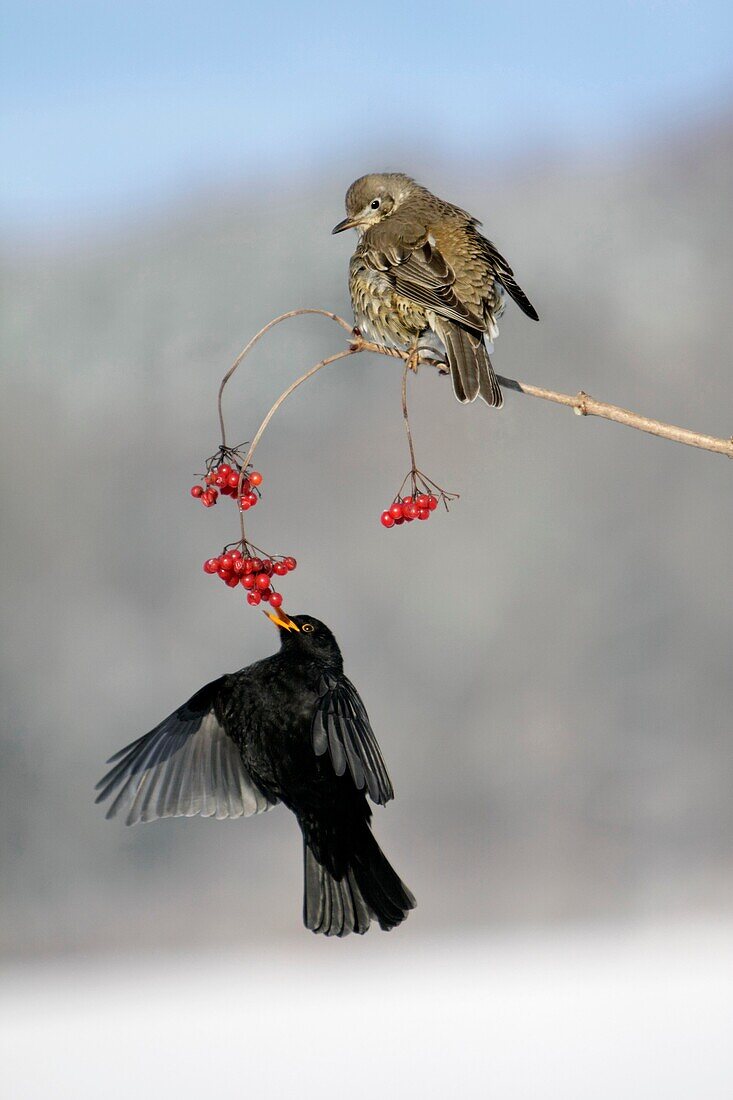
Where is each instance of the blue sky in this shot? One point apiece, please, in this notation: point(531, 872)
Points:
point(109, 106)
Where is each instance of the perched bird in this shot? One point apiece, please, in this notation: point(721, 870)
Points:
point(292, 729)
point(422, 268)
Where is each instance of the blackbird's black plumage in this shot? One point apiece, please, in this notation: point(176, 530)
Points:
point(292, 729)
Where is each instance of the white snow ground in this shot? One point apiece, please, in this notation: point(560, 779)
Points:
point(598, 1014)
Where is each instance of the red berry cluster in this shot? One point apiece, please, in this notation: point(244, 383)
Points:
point(406, 509)
point(239, 566)
point(224, 478)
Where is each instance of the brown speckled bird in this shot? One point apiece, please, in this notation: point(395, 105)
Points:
point(421, 270)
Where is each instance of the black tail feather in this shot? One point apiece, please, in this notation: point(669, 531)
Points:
point(368, 888)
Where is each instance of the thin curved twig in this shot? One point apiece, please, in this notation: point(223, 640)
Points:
point(406, 418)
point(258, 336)
point(286, 393)
point(283, 396)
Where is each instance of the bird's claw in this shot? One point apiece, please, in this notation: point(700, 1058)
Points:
point(356, 343)
point(413, 360)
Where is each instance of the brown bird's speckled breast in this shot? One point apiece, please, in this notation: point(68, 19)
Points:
point(380, 313)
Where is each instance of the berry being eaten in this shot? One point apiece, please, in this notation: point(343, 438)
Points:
point(244, 565)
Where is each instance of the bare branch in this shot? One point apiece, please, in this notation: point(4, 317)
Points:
point(283, 396)
point(286, 393)
point(258, 336)
point(581, 403)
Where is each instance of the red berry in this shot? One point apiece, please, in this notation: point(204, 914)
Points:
point(208, 499)
point(197, 491)
point(210, 478)
point(410, 511)
point(255, 477)
point(263, 581)
point(211, 565)
point(432, 503)
point(266, 594)
point(248, 565)
point(399, 521)
point(406, 500)
point(387, 519)
point(251, 499)
point(276, 600)
point(254, 598)
point(267, 566)
point(279, 569)
point(424, 513)
point(244, 504)
point(226, 561)
point(233, 480)
point(247, 580)
point(235, 554)
point(422, 500)
point(291, 563)
point(225, 574)
point(238, 567)
point(233, 581)
point(396, 510)
point(256, 565)
point(224, 470)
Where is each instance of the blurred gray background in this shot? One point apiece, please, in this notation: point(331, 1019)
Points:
point(548, 668)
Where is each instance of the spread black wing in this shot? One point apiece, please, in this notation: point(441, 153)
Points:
point(185, 766)
point(341, 727)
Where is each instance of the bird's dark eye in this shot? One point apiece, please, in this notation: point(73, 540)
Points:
point(307, 628)
point(375, 204)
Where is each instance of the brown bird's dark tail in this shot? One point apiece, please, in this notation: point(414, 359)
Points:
point(345, 890)
point(470, 367)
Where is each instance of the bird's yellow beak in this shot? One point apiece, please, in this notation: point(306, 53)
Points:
point(281, 619)
point(347, 223)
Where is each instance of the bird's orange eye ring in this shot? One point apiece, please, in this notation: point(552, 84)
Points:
point(307, 628)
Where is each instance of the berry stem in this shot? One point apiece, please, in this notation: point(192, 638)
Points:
point(258, 336)
point(283, 396)
point(406, 418)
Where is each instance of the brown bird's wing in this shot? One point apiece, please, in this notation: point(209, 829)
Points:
point(187, 765)
point(421, 274)
point(505, 276)
point(342, 728)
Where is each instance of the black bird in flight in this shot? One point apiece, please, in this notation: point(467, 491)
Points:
point(290, 728)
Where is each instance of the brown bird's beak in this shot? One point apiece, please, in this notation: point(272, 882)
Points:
point(281, 619)
point(347, 223)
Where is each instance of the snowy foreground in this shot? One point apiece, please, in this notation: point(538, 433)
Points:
point(584, 1014)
